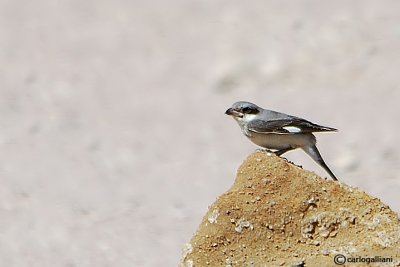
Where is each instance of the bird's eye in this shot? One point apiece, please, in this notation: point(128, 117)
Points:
point(249, 110)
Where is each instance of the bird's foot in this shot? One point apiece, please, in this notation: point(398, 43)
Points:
point(264, 150)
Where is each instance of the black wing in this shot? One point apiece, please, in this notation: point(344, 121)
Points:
point(290, 125)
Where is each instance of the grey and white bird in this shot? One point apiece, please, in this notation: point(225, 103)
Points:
point(278, 131)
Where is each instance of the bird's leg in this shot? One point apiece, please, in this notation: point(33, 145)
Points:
point(282, 151)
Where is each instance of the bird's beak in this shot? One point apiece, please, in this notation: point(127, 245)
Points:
point(234, 113)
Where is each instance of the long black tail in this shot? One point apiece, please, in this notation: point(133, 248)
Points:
point(313, 152)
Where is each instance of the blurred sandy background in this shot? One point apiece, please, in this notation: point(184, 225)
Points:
point(113, 138)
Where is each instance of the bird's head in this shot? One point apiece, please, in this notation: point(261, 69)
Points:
point(243, 111)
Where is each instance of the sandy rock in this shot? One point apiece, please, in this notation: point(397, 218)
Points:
point(277, 214)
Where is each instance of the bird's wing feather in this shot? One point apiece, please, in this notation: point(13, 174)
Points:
point(290, 125)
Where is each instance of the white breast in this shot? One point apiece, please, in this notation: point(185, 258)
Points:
point(282, 141)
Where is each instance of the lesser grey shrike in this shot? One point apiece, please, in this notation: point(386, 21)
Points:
point(278, 131)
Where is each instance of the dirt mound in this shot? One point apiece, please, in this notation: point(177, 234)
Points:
point(277, 214)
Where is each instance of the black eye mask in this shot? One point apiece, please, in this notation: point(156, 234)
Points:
point(250, 110)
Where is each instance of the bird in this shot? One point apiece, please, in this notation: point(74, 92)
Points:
point(278, 131)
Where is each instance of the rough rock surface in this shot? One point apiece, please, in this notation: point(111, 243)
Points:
point(277, 214)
